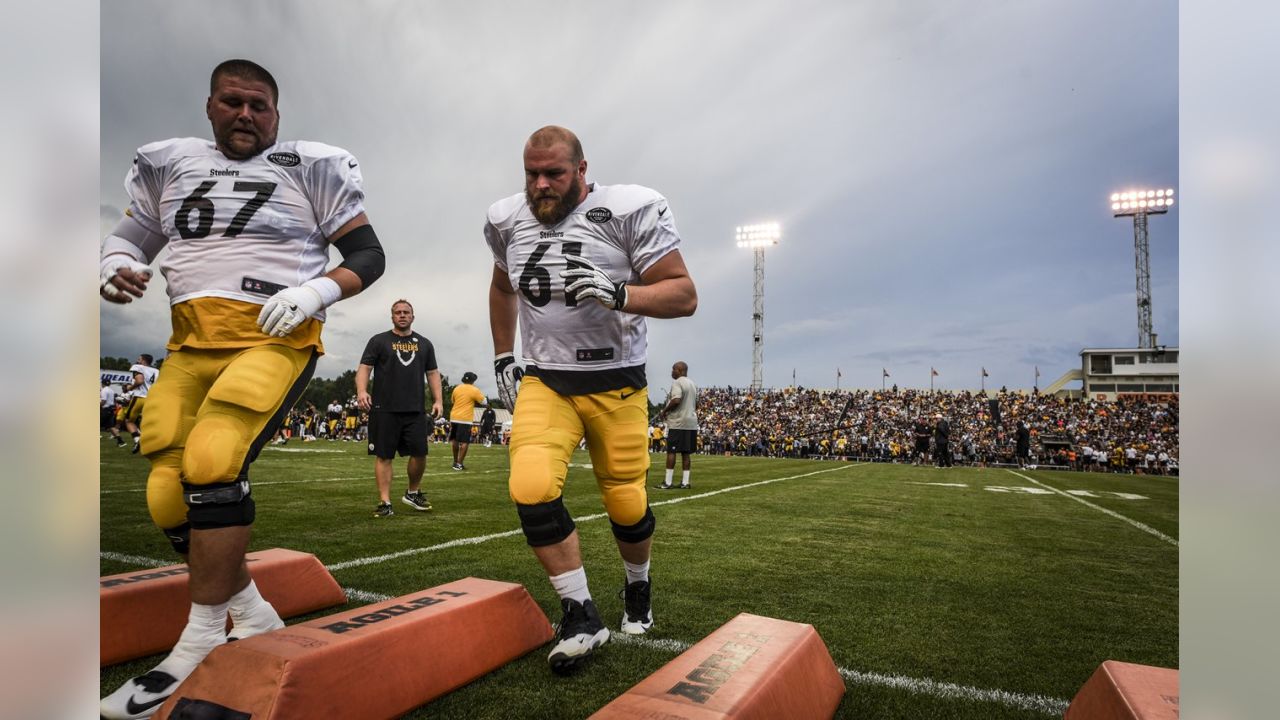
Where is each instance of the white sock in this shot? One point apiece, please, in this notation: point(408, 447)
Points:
point(206, 630)
point(685, 478)
point(572, 585)
point(248, 603)
point(669, 473)
point(636, 573)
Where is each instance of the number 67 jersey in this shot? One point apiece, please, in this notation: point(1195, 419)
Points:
point(241, 230)
point(624, 230)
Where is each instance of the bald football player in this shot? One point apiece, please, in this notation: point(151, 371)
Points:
point(578, 266)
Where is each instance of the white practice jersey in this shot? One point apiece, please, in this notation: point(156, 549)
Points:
point(149, 375)
point(623, 229)
point(243, 229)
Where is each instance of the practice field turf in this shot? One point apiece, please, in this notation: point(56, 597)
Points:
point(956, 593)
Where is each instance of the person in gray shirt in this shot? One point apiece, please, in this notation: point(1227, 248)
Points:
point(681, 414)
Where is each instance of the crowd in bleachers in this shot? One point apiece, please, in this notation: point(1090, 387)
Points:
point(1129, 435)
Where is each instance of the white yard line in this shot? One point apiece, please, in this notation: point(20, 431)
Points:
point(135, 559)
point(365, 596)
point(918, 686)
point(373, 560)
point(1144, 528)
point(318, 480)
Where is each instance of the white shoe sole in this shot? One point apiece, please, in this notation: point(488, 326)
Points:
point(414, 506)
point(636, 628)
point(568, 654)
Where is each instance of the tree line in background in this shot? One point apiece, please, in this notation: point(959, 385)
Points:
point(322, 391)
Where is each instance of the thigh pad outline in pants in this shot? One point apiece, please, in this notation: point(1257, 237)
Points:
point(171, 413)
point(617, 437)
point(247, 393)
point(545, 430)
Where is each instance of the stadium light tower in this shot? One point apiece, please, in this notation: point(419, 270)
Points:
point(758, 237)
point(1140, 204)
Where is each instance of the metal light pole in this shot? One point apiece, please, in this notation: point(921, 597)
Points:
point(1140, 204)
point(758, 237)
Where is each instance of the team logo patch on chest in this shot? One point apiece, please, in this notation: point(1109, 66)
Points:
point(600, 215)
point(285, 159)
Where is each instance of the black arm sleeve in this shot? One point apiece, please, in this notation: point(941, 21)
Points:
point(362, 254)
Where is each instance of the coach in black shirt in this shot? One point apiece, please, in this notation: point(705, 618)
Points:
point(399, 360)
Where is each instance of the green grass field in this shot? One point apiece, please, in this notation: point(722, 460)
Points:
point(935, 600)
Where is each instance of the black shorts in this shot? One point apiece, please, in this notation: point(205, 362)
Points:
point(106, 418)
point(392, 432)
point(682, 441)
point(460, 432)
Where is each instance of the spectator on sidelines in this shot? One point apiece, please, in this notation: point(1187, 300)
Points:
point(107, 410)
point(942, 441)
point(681, 416)
point(487, 420)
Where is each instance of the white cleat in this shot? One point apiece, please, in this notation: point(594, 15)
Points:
point(139, 697)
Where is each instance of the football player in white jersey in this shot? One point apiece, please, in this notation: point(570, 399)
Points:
point(144, 376)
point(248, 222)
point(580, 266)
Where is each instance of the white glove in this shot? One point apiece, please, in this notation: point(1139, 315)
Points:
point(591, 281)
point(110, 267)
point(508, 374)
point(287, 309)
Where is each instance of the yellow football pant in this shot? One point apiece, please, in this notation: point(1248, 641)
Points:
point(205, 413)
point(547, 427)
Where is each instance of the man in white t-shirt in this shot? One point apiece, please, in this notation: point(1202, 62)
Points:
point(681, 414)
point(107, 408)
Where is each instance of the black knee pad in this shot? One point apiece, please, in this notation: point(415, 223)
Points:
point(179, 537)
point(218, 505)
point(545, 523)
point(639, 532)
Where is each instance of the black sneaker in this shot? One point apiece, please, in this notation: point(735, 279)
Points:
point(663, 486)
point(686, 486)
point(416, 500)
point(579, 633)
point(136, 445)
point(458, 466)
point(383, 510)
point(637, 614)
point(119, 442)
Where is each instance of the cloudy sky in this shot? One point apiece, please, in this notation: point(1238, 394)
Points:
point(940, 170)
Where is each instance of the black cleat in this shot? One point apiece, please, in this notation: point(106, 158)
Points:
point(637, 613)
point(383, 510)
point(579, 633)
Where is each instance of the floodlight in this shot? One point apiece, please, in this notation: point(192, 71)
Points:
point(758, 237)
point(1139, 204)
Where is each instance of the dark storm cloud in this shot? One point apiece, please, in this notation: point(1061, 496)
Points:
point(940, 170)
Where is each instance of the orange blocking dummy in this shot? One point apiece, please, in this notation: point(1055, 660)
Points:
point(752, 667)
point(1125, 691)
point(143, 612)
point(378, 661)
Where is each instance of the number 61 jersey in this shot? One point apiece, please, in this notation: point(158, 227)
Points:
point(242, 230)
point(623, 229)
